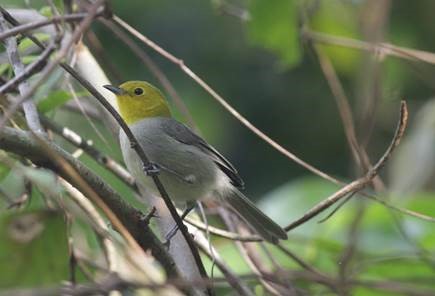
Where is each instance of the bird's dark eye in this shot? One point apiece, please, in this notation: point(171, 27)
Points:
point(138, 91)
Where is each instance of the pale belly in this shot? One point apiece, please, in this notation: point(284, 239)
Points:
point(186, 172)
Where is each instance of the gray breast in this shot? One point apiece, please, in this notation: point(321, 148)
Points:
point(187, 173)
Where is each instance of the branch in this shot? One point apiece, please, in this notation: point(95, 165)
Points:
point(30, 69)
point(83, 25)
point(21, 143)
point(360, 183)
point(29, 91)
point(34, 25)
point(103, 159)
point(380, 49)
point(29, 107)
point(222, 101)
point(155, 70)
point(250, 126)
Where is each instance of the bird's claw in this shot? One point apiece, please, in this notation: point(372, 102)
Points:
point(171, 233)
point(151, 169)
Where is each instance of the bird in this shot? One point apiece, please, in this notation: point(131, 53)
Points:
point(189, 168)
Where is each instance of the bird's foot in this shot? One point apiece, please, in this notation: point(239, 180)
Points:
point(151, 169)
point(151, 214)
point(175, 228)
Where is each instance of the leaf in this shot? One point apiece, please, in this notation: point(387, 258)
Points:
point(54, 100)
point(338, 18)
point(274, 26)
point(26, 43)
point(29, 59)
point(4, 68)
point(33, 249)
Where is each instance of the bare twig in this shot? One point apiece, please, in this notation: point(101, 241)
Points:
point(232, 278)
point(380, 49)
point(19, 142)
point(99, 223)
point(223, 233)
point(29, 91)
point(87, 146)
point(29, 106)
point(222, 101)
point(34, 25)
point(155, 70)
point(330, 282)
point(29, 70)
point(360, 183)
point(83, 25)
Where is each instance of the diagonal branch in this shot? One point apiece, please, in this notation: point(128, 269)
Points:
point(21, 143)
point(222, 101)
point(28, 91)
point(360, 183)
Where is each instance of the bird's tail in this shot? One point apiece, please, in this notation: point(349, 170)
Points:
point(262, 224)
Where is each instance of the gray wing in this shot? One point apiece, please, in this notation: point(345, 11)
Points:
point(185, 135)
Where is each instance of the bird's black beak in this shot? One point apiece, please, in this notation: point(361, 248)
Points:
point(116, 90)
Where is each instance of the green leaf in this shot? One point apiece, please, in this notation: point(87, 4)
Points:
point(26, 43)
point(53, 100)
point(29, 59)
point(338, 18)
point(33, 249)
point(273, 25)
point(4, 68)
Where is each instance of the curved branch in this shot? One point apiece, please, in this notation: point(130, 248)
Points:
point(21, 143)
point(360, 183)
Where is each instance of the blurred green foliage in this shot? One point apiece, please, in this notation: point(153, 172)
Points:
point(33, 249)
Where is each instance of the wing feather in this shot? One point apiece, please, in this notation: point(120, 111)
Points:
point(185, 135)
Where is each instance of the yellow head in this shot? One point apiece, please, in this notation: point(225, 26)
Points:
point(138, 100)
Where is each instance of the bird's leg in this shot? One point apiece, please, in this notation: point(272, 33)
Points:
point(151, 214)
point(153, 169)
point(174, 229)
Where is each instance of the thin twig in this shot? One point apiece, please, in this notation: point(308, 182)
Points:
point(29, 106)
point(360, 183)
point(21, 143)
point(155, 70)
point(30, 69)
point(83, 25)
point(29, 91)
point(221, 100)
point(98, 222)
point(87, 146)
point(380, 49)
point(34, 25)
point(232, 278)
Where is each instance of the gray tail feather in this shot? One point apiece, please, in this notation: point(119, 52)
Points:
point(262, 224)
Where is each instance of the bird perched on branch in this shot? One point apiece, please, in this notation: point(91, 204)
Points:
point(189, 168)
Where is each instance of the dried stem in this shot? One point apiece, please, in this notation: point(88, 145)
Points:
point(360, 183)
point(221, 100)
point(29, 70)
point(29, 106)
point(29, 91)
point(34, 25)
